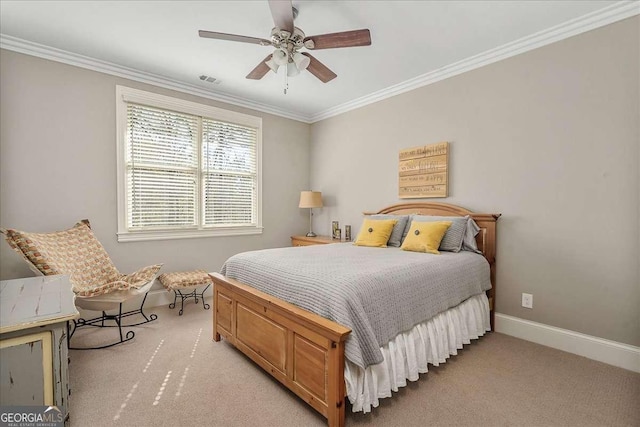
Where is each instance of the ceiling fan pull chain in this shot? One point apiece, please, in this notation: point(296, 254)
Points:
point(286, 82)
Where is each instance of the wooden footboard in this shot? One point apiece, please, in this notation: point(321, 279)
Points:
point(303, 351)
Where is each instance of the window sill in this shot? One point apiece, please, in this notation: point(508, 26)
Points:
point(139, 236)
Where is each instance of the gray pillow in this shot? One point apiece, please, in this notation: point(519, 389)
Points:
point(452, 240)
point(396, 235)
point(469, 241)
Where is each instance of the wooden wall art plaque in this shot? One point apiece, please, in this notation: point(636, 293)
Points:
point(423, 171)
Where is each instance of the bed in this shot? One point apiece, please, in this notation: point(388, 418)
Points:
point(306, 351)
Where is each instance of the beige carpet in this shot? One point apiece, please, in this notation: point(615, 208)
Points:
point(173, 374)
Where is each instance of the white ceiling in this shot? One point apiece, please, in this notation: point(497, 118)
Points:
point(409, 39)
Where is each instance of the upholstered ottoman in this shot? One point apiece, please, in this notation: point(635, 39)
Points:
point(185, 284)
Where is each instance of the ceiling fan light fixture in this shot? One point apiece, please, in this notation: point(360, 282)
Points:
point(272, 65)
point(301, 61)
point(280, 57)
point(287, 40)
point(292, 70)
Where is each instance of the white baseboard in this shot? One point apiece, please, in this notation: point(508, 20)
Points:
point(610, 352)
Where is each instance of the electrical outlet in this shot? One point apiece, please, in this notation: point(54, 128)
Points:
point(527, 300)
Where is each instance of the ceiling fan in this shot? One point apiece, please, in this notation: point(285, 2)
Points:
point(288, 40)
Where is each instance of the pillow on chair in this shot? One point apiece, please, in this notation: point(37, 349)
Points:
point(77, 253)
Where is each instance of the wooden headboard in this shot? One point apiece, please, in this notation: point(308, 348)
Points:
point(486, 238)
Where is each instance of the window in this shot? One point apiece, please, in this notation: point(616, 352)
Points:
point(185, 169)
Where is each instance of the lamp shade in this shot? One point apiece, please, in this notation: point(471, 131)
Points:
point(280, 57)
point(271, 64)
point(310, 199)
point(292, 70)
point(301, 61)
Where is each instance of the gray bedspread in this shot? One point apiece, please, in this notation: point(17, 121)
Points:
point(377, 292)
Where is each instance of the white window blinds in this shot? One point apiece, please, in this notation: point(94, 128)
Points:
point(188, 172)
point(229, 177)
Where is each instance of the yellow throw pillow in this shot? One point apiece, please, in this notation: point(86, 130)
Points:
point(425, 236)
point(375, 233)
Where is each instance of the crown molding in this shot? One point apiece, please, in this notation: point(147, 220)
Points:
point(47, 52)
point(607, 15)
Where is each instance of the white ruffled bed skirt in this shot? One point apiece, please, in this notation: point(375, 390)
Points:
point(407, 355)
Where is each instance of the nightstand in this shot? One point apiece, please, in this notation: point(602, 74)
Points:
point(307, 241)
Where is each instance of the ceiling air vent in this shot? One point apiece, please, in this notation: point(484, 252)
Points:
point(209, 79)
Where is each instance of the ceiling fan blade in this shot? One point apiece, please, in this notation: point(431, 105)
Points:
point(282, 12)
point(319, 70)
point(343, 39)
point(233, 38)
point(260, 71)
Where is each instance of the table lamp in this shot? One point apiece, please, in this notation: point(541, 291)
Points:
point(310, 200)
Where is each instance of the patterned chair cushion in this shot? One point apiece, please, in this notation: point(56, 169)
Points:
point(78, 253)
point(185, 279)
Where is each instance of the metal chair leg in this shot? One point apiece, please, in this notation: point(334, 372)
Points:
point(99, 322)
point(205, 305)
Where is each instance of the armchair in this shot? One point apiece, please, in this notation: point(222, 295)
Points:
point(97, 283)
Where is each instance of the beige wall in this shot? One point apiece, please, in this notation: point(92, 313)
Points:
point(548, 138)
point(58, 165)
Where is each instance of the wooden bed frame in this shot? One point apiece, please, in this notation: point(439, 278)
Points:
point(302, 350)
